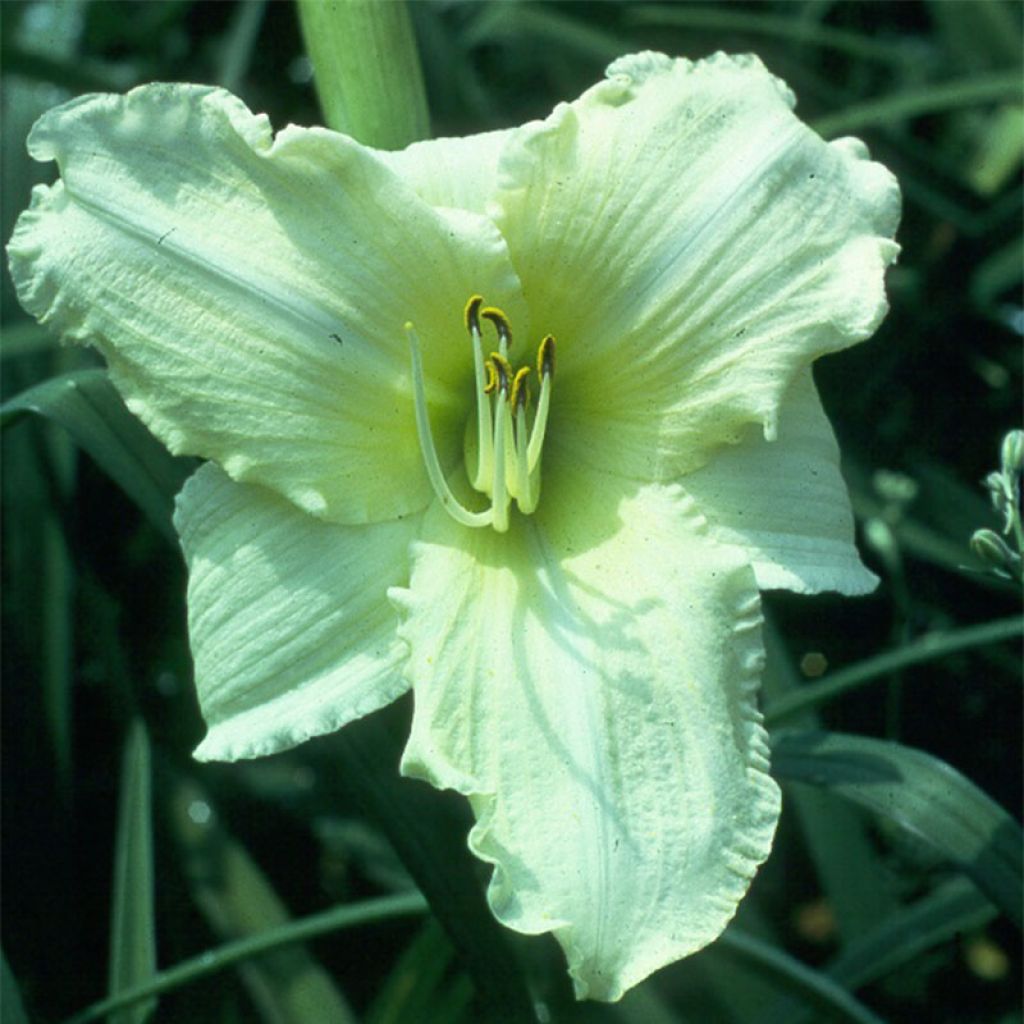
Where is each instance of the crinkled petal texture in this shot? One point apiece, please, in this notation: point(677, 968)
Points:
point(785, 503)
point(692, 245)
point(460, 171)
point(291, 630)
point(249, 293)
point(588, 680)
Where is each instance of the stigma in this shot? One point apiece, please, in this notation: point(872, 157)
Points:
point(503, 453)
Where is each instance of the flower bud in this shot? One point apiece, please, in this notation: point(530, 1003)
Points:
point(1012, 452)
point(991, 549)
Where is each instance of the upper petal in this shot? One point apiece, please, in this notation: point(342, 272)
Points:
point(692, 245)
point(289, 623)
point(250, 293)
point(459, 172)
point(784, 501)
point(589, 679)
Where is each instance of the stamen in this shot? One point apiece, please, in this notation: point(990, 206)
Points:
point(501, 325)
point(520, 392)
point(527, 495)
point(437, 480)
point(499, 486)
point(471, 314)
point(484, 386)
point(503, 370)
point(546, 369)
point(492, 378)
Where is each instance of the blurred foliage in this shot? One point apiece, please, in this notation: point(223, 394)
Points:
point(856, 916)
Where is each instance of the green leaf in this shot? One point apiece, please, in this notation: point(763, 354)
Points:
point(929, 647)
point(239, 44)
point(851, 878)
point(795, 30)
point(367, 70)
point(133, 929)
point(788, 975)
point(287, 986)
point(954, 908)
point(899, 106)
point(951, 910)
point(419, 987)
point(921, 794)
point(231, 953)
point(428, 832)
point(12, 1010)
point(85, 404)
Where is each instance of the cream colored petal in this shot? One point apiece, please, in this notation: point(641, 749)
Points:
point(785, 503)
point(291, 631)
point(589, 680)
point(250, 293)
point(460, 172)
point(692, 246)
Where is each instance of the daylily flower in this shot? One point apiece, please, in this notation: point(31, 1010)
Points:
point(521, 421)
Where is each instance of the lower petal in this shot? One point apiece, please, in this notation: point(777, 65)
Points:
point(589, 680)
point(289, 622)
point(785, 503)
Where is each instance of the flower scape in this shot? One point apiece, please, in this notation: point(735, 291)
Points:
point(520, 421)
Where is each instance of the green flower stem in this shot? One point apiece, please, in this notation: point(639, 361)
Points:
point(928, 648)
point(346, 916)
point(367, 70)
point(948, 95)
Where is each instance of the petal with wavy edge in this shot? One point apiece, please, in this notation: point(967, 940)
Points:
point(589, 680)
point(692, 245)
point(289, 623)
point(460, 172)
point(785, 503)
point(249, 293)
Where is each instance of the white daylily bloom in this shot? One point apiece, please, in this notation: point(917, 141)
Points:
point(550, 515)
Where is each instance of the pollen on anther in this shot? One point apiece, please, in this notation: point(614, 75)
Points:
point(492, 377)
point(520, 392)
point(503, 371)
point(500, 321)
point(546, 357)
point(471, 314)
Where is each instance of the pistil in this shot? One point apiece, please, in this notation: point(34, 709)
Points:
point(508, 450)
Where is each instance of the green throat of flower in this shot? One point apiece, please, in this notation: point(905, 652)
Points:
point(504, 462)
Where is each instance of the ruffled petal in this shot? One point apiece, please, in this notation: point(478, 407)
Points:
point(692, 246)
point(589, 680)
point(460, 172)
point(785, 503)
point(291, 631)
point(249, 293)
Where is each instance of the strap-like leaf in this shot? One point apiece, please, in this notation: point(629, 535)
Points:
point(133, 929)
point(921, 794)
point(816, 991)
point(85, 403)
point(430, 841)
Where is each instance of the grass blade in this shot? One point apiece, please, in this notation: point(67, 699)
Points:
point(846, 862)
point(85, 404)
point(932, 99)
point(133, 928)
point(12, 1009)
point(427, 831)
point(234, 953)
point(815, 990)
point(724, 18)
point(954, 908)
point(921, 794)
point(287, 986)
point(928, 648)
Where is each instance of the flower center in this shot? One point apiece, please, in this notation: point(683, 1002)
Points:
point(505, 463)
